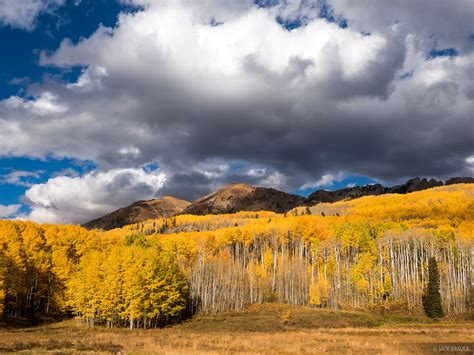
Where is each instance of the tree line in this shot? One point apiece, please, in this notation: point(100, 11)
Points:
point(371, 253)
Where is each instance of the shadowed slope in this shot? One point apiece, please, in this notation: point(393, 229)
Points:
point(138, 212)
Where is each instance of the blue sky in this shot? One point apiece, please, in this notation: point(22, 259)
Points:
point(181, 99)
point(19, 174)
point(19, 68)
point(20, 48)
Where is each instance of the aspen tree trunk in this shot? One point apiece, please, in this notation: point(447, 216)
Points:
point(471, 291)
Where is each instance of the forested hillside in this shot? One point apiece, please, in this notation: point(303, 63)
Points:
point(369, 253)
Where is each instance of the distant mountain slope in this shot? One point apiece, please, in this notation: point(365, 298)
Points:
point(412, 185)
point(242, 197)
point(345, 194)
point(460, 180)
point(138, 212)
point(444, 202)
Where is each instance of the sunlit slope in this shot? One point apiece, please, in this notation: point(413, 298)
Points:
point(447, 206)
point(370, 253)
point(447, 202)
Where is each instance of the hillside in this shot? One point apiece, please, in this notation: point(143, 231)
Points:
point(444, 205)
point(325, 196)
point(412, 185)
point(242, 197)
point(371, 253)
point(138, 212)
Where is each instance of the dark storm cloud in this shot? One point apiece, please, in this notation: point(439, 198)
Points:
point(286, 107)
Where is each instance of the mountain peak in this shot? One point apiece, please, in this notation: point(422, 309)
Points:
point(243, 197)
point(139, 211)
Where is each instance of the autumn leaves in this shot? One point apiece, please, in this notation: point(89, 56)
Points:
point(148, 274)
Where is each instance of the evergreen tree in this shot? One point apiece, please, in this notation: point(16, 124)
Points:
point(432, 298)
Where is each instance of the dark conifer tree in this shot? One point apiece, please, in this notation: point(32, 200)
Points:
point(432, 297)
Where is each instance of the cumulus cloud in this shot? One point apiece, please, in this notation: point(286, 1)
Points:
point(257, 172)
point(45, 104)
point(222, 92)
point(9, 210)
point(23, 13)
point(326, 180)
point(470, 162)
point(240, 90)
point(442, 23)
point(20, 178)
point(69, 199)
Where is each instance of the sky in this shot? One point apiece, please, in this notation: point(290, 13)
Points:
point(106, 102)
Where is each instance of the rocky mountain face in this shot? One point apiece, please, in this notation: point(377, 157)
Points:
point(138, 212)
point(348, 193)
point(242, 197)
point(413, 185)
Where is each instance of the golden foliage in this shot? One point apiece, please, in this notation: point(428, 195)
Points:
point(369, 251)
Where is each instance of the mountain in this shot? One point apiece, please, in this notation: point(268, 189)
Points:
point(460, 180)
point(138, 212)
point(348, 193)
point(242, 197)
point(412, 185)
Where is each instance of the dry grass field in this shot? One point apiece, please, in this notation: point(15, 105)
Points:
point(276, 329)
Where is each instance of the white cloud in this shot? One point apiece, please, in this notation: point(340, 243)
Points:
point(257, 172)
point(470, 162)
point(45, 105)
point(20, 178)
point(90, 79)
point(67, 172)
point(8, 210)
point(68, 199)
point(326, 180)
point(446, 23)
point(212, 169)
point(275, 180)
point(23, 13)
point(132, 151)
point(172, 34)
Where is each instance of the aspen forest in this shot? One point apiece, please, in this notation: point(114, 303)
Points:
point(370, 253)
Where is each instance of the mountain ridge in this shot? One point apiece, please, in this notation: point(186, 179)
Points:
point(243, 197)
point(237, 197)
point(412, 185)
point(139, 211)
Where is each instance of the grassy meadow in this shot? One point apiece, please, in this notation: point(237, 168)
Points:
point(269, 328)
